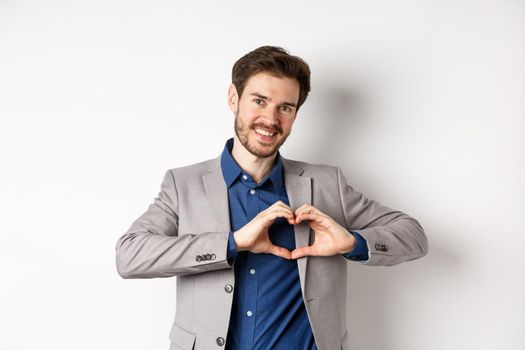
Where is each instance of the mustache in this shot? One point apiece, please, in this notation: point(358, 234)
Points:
point(275, 128)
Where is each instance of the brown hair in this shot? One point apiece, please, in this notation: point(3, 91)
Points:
point(275, 60)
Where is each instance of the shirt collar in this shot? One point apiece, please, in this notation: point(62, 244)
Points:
point(231, 170)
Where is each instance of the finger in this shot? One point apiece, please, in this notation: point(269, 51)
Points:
point(305, 208)
point(311, 209)
point(280, 205)
point(269, 218)
point(279, 213)
point(300, 209)
point(309, 216)
point(279, 209)
point(280, 252)
point(302, 251)
point(308, 208)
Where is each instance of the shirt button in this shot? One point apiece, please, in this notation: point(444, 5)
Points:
point(220, 341)
point(245, 177)
point(252, 191)
point(252, 272)
point(249, 313)
point(228, 288)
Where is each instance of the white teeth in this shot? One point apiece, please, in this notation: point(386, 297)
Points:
point(264, 132)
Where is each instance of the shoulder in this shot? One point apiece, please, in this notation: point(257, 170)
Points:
point(311, 169)
point(195, 170)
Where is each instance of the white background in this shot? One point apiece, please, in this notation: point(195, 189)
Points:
point(421, 103)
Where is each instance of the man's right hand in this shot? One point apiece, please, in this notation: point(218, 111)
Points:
point(254, 235)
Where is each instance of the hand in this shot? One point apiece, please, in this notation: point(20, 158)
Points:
point(254, 235)
point(330, 237)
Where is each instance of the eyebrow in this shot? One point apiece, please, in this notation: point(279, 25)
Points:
point(291, 104)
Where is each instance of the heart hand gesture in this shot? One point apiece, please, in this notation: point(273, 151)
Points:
point(330, 237)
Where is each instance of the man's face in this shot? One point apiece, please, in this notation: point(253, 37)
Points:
point(265, 112)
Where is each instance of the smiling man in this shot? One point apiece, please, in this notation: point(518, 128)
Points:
point(259, 243)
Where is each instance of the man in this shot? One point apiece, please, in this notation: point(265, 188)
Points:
point(260, 243)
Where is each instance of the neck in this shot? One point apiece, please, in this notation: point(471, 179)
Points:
point(257, 167)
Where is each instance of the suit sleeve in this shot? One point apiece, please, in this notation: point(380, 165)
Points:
point(152, 247)
point(392, 236)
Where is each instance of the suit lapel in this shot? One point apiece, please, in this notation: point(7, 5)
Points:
point(218, 194)
point(299, 190)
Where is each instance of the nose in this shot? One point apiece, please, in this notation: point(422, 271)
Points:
point(271, 116)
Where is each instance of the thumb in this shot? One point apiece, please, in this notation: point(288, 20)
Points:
point(302, 251)
point(280, 251)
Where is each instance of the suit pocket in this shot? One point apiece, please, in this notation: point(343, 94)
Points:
point(181, 339)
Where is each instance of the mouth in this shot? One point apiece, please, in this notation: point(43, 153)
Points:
point(265, 135)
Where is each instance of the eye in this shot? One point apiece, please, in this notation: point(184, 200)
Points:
point(259, 101)
point(286, 109)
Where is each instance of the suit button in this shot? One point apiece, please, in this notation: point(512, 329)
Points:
point(208, 256)
point(198, 258)
point(381, 247)
point(220, 341)
point(213, 257)
point(228, 288)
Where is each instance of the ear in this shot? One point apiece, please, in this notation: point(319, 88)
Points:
point(233, 98)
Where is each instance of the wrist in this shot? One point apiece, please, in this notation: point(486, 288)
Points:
point(349, 244)
point(238, 242)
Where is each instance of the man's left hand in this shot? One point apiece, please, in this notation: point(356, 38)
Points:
point(330, 237)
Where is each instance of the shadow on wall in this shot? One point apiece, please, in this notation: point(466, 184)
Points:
point(343, 111)
point(377, 296)
point(386, 302)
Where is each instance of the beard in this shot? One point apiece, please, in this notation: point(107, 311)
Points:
point(243, 134)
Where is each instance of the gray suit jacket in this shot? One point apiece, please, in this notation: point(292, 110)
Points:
point(184, 233)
